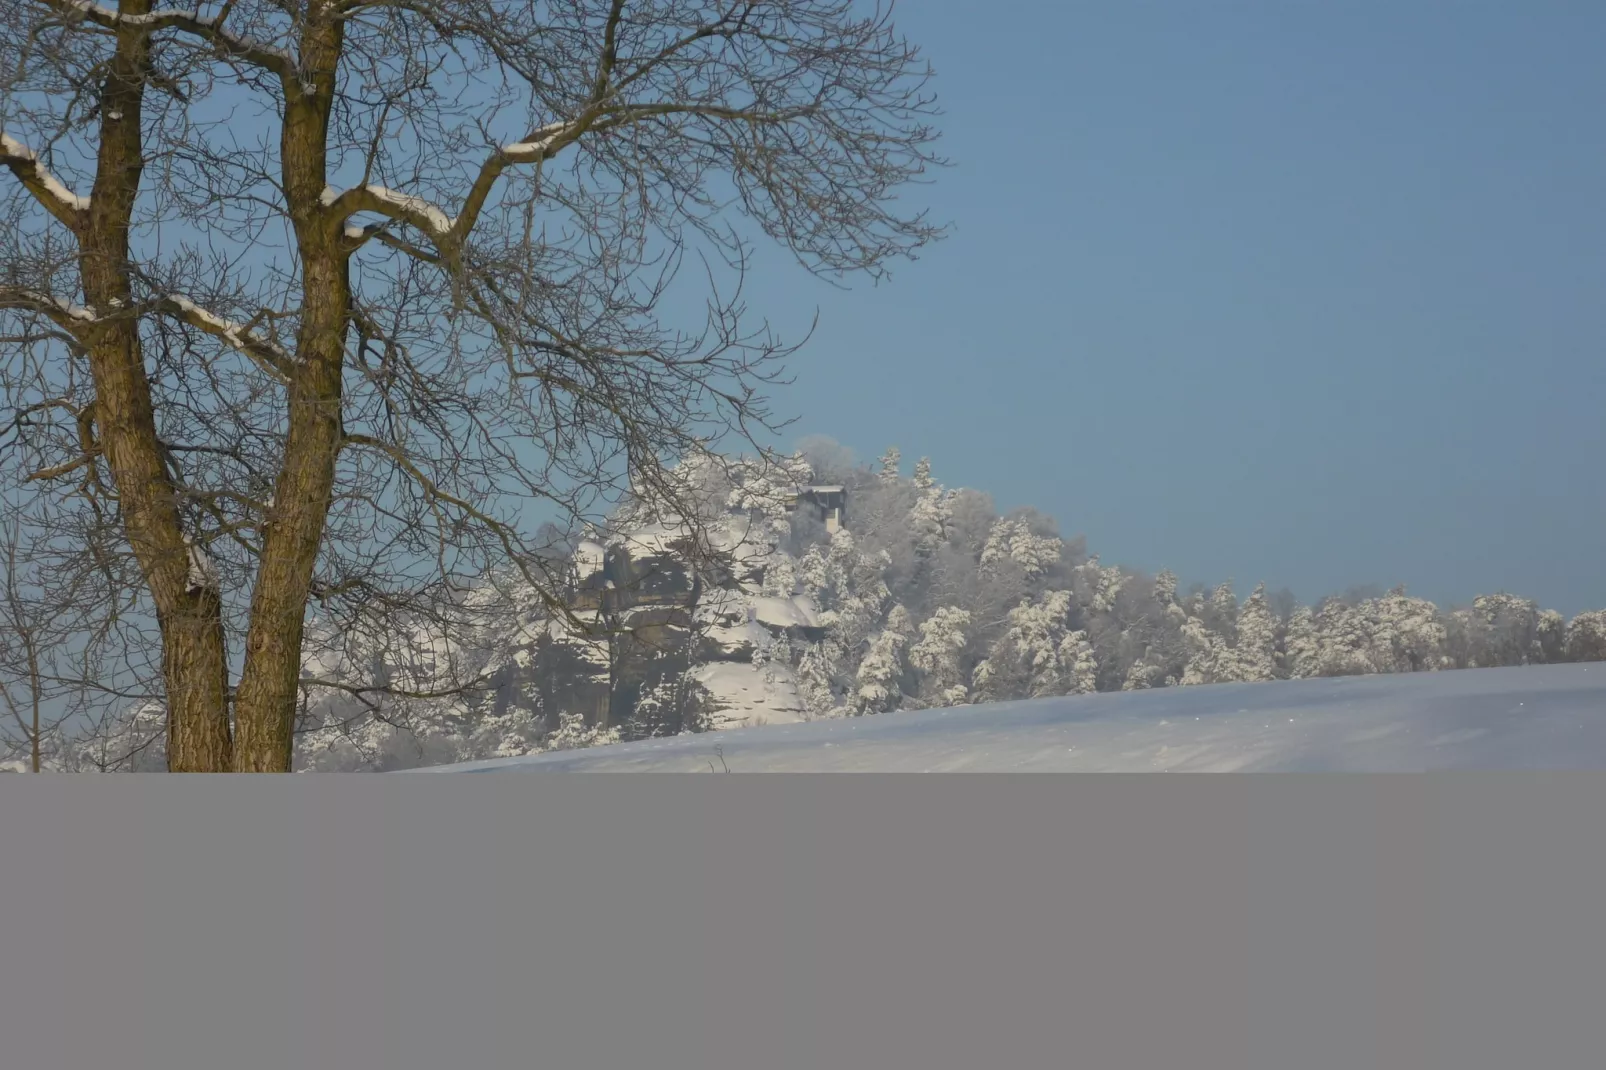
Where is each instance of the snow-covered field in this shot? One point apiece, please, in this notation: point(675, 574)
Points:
point(1550, 717)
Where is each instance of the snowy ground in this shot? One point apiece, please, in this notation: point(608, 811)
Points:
point(1551, 717)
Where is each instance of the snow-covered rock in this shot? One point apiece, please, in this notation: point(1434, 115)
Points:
point(746, 695)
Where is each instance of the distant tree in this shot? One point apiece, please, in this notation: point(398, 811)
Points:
point(1013, 542)
point(929, 516)
point(1407, 634)
point(1344, 638)
point(1208, 656)
point(1080, 664)
point(817, 674)
point(30, 639)
point(1165, 588)
point(1301, 645)
point(1141, 676)
point(1222, 615)
point(1027, 659)
point(881, 672)
point(890, 463)
point(1256, 649)
point(1552, 637)
point(1586, 637)
point(938, 658)
point(1510, 630)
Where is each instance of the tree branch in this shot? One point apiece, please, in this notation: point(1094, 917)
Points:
point(63, 313)
point(49, 190)
point(267, 354)
point(206, 27)
point(448, 232)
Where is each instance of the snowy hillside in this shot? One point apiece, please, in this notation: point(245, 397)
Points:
point(1541, 717)
point(786, 591)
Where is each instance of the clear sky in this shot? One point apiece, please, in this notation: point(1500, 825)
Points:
point(1306, 293)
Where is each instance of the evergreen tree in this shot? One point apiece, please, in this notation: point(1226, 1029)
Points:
point(890, 463)
point(1012, 541)
point(1256, 650)
point(816, 681)
point(922, 478)
point(1165, 588)
point(1141, 676)
point(930, 515)
point(1026, 660)
point(1407, 633)
point(879, 674)
point(1080, 663)
point(1223, 614)
point(938, 657)
point(1344, 639)
point(1209, 657)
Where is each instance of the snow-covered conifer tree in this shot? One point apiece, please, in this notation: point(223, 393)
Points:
point(1025, 661)
point(1141, 676)
point(1080, 664)
point(1256, 651)
point(1165, 588)
point(1223, 614)
point(937, 657)
point(1344, 639)
point(1209, 657)
point(889, 465)
point(1301, 646)
point(1407, 633)
point(1013, 541)
point(816, 682)
point(929, 516)
point(877, 680)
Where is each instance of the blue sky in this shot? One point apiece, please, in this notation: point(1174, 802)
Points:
point(1306, 293)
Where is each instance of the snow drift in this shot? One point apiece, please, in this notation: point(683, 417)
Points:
point(1541, 717)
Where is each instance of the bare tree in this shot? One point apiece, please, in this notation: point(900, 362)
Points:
point(22, 653)
point(54, 635)
point(358, 292)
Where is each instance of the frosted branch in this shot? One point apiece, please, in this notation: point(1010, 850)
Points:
point(50, 191)
point(60, 311)
point(267, 353)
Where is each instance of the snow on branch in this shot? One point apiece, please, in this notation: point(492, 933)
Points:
point(539, 145)
point(266, 352)
point(431, 218)
point(61, 202)
point(533, 148)
point(274, 358)
point(401, 207)
point(59, 310)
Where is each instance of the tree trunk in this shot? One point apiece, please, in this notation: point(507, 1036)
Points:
point(194, 661)
point(265, 706)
